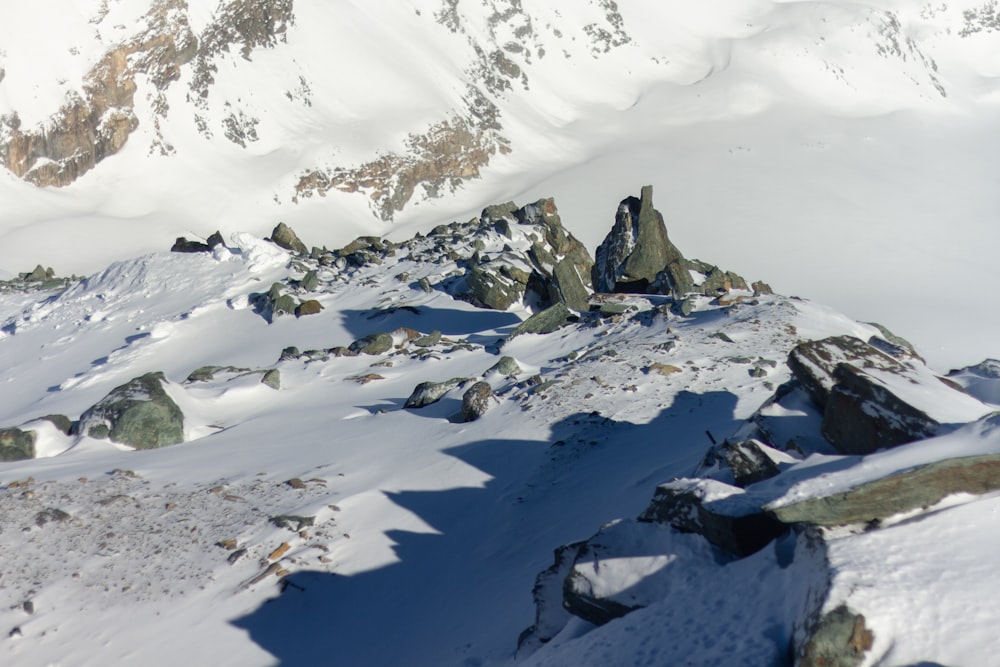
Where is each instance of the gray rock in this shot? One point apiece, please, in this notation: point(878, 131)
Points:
point(373, 344)
point(735, 527)
point(684, 307)
point(568, 285)
point(476, 401)
point(507, 366)
point(61, 422)
point(760, 288)
point(862, 415)
point(551, 615)
point(428, 340)
point(427, 393)
point(139, 413)
point(490, 288)
point(184, 245)
point(547, 321)
point(813, 362)
point(272, 378)
point(16, 445)
point(839, 639)
point(744, 462)
point(310, 281)
point(284, 237)
point(636, 249)
point(904, 491)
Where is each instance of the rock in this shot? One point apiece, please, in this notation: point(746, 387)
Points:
point(138, 413)
point(183, 245)
point(863, 415)
point(637, 250)
point(476, 401)
point(894, 345)
point(289, 353)
point(373, 344)
point(507, 367)
point(61, 422)
point(215, 240)
point(568, 286)
point(308, 307)
point(425, 285)
point(900, 492)
point(813, 362)
point(272, 378)
point(684, 307)
point(550, 614)
point(760, 288)
point(208, 373)
point(284, 237)
point(547, 321)
point(717, 511)
point(427, 393)
point(839, 639)
point(310, 281)
point(51, 515)
point(429, 340)
point(489, 288)
point(16, 445)
point(662, 369)
point(293, 522)
point(614, 574)
point(743, 463)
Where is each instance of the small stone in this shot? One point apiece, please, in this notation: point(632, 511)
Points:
point(296, 483)
point(662, 369)
point(282, 549)
point(236, 555)
point(228, 544)
point(308, 307)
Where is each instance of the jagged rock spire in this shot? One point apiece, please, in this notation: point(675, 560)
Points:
point(637, 251)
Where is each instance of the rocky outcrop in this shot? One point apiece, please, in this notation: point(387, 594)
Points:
point(182, 244)
point(741, 463)
point(863, 415)
point(139, 413)
point(704, 507)
point(637, 252)
point(814, 362)
point(900, 492)
point(16, 445)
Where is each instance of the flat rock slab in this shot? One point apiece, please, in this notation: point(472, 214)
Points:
point(901, 492)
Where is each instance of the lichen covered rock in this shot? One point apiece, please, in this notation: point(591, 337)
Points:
point(139, 413)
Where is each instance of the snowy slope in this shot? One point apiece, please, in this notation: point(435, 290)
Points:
point(415, 522)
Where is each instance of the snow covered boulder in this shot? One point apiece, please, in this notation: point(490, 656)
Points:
point(16, 445)
point(637, 250)
point(813, 362)
point(721, 513)
point(284, 237)
point(629, 565)
point(139, 413)
point(428, 393)
point(876, 499)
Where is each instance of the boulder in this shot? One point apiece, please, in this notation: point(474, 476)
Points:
point(182, 244)
point(308, 307)
point(813, 362)
point(489, 287)
point(507, 366)
point(138, 413)
point(427, 393)
point(839, 639)
point(476, 401)
point(863, 415)
point(428, 340)
point(271, 378)
point(637, 249)
point(717, 511)
point(373, 344)
point(16, 445)
point(310, 281)
point(283, 236)
point(547, 321)
point(900, 492)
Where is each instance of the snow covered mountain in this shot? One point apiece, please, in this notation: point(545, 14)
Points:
point(857, 135)
point(514, 434)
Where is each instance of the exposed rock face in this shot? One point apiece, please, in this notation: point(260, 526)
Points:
point(922, 486)
point(555, 269)
point(139, 413)
point(550, 614)
point(16, 445)
point(637, 250)
point(476, 401)
point(862, 415)
point(747, 462)
point(814, 362)
point(699, 506)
